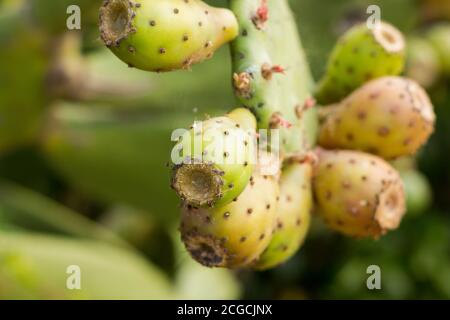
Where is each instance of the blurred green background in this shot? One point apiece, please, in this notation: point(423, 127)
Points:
point(85, 140)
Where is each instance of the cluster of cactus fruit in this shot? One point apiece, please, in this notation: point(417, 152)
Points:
point(244, 206)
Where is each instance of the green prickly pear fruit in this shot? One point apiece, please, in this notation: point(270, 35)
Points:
point(423, 63)
point(215, 160)
point(439, 36)
point(358, 194)
point(164, 35)
point(244, 118)
point(292, 217)
point(360, 55)
point(236, 234)
point(418, 191)
point(389, 117)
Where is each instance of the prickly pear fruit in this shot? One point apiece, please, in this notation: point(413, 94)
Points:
point(164, 35)
point(271, 76)
point(358, 194)
point(439, 36)
point(236, 234)
point(360, 55)
point(418, 191)
point(389, 117)
point(292, 217)
point(216, 159)
point(423, 63)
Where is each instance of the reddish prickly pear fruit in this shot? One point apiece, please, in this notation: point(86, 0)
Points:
point(292, 217)
point(389, 117)
point(236, 234)
point(360, 55)
point(358, 194)
point(164, 35)
point(216, 159)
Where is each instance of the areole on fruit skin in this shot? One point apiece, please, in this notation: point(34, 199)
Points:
point(361, 54)
point(164, 35)
point(358, 194)
point(233, 235)
point(218, 163)
point(390, 117)
point(293, 215)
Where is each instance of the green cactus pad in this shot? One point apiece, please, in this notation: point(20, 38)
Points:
point(24, 60)
point(271, 75)
point(164, 35)
point(360, 55)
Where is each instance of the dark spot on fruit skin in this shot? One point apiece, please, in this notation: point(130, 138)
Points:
point(162, 50)
point(268, 206)
point(262, 236)
point(176, 11)
point(243, 239)
point(249, 211)
point(383, 131)
point(350, 136)
point(152, 23)
point(361, 115)
point(346, 185)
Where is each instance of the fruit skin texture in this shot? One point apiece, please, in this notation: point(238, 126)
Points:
point(358, 194)
point(218, 157)
point(389, 116)
point(236, 234)
point(165, 35)
point(292, 217)
point(361, 54)
point(271, 76)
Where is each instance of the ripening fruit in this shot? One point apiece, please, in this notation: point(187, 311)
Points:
point(236, 234)
point(360, 55)
point(217, 159)
point(358, 194)
point(389, 117)
point(292, 217)
point(164, 35)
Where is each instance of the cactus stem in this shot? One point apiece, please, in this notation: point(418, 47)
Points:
point(261, 16)
point(199, 184)
point(267, 70)
point(277, 121)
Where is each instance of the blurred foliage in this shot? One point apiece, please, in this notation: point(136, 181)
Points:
point(84, 142)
